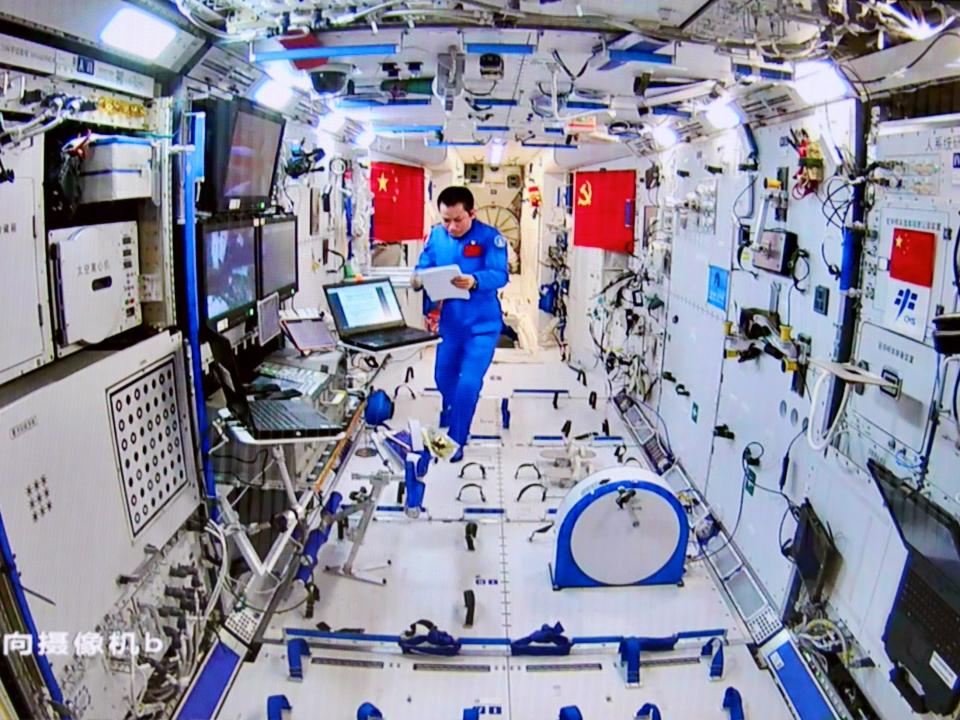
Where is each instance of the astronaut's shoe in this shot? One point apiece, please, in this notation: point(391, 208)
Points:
point(457, 456)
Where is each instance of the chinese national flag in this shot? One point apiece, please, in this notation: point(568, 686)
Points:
point(912, 256)
point(397, 202)
point(298, 42)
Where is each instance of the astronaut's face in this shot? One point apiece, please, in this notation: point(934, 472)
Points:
point(456, 220)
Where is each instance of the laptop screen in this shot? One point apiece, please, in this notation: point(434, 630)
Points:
point(927, 530)
point(365, 306)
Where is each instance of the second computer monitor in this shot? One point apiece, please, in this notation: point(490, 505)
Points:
point(228, 272)
point(278, 257)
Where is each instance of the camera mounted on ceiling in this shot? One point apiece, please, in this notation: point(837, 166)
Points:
point(332, 79)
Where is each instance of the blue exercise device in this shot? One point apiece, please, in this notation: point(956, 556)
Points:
point(621, 526)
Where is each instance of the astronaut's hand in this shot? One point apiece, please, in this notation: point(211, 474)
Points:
point(415, 282)
point(464, 282)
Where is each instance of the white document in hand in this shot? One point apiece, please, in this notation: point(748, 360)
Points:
point(437, 282)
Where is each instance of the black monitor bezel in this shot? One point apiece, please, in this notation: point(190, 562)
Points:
point(286, 291)
point(237, 315)
point(220, 125)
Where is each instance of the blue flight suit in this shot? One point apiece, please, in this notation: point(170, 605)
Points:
point(469, 328)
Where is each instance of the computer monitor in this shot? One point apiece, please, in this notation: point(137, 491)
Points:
point(242, 149)
point(228, 273)
point(364, 306)
point(278, 256)
point(253, 155)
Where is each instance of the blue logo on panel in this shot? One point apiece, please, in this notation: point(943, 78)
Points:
point(718, 285)
point(905, 300)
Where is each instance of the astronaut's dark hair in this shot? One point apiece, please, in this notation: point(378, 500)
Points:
point(456, 195)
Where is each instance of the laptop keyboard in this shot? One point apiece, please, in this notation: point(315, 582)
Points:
point(393, 336)
point(924, 606)
point(274, 415)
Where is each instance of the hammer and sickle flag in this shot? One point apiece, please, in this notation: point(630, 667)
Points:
point(585, 196)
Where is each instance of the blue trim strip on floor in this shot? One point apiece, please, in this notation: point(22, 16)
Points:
point(322, 635)
point(483, 511)
point(484, 641)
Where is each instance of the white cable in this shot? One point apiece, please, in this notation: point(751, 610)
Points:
point(215, 530)
point(819, 443)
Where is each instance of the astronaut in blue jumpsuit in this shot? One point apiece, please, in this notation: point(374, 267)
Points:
point(469, 328)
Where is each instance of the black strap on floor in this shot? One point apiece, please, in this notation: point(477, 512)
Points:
point(533, 485)
point(538, 531)
point(470, 535)
point(593, 399)
point(470, 601)
point(483, 470)
point(401, 489)
point(567, 426)
point(516, 475)
point(409, 375)
point(483, 498)
point(606, 428)
point(556, 400)
point(396, 390)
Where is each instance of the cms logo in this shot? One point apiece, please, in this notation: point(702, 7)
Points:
point(905, 300)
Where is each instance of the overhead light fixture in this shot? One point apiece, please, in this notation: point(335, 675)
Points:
point(283, 72)
point(365, 139)
point(273, 94)
point(820, 83)
point(138, 33)
point(495, 152)
point(665, 136)
point(723, 114)
point(332, 122)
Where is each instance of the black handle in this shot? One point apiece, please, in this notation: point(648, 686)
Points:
point(543, 487)
point(470, 601)
point(470, 535)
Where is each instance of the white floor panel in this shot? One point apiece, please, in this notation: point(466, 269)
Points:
point(509, 574)
point(681, 692)
point(398, 690)
point(535, 415)
point(430, 569)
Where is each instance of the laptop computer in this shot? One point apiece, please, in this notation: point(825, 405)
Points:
point(367, 315)
point(922, 636)
point(266, 419)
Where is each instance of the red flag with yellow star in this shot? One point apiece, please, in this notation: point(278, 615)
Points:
point(912, 256)
point(397, 202)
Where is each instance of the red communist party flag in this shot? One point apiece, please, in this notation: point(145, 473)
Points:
point(397, 202)
point(912, 256)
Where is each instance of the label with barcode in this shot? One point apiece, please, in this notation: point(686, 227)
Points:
point(941, 668)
